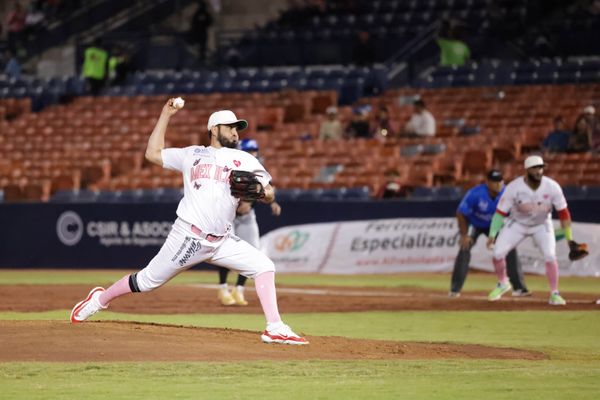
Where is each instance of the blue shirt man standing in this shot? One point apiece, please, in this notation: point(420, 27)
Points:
point(474, 216)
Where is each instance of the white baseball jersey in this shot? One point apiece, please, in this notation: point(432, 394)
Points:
point(531, 207)
point(207, 202)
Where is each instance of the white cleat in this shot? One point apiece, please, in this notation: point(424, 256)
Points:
point(87, 307)
point(282, 334)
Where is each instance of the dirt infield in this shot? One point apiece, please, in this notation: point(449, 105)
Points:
point(122, 341)
point(127, 341)
point(202, 299)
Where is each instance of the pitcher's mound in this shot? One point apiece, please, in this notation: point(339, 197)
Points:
point(130, 341)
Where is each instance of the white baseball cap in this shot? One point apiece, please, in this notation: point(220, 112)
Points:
point(589, 110)
point(226, 117)
point(533, 161)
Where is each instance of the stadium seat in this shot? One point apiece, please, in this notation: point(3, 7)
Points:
point(357, 193)
point(448, 193)
point(424, 193)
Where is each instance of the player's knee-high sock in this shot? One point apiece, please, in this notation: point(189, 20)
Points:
point(500, 268)
point(265, 288)
point(119, 288)
point(223, 272)
point(241, 280)
point(552, 274)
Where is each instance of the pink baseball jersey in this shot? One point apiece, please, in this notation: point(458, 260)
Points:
point(531, 207)
point(207, 202)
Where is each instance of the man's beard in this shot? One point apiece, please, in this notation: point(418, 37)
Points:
point(232, 144)
point(533, 178)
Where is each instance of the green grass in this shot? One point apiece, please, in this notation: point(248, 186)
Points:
point(302, 380)
point(569, 338)
point(475, 281)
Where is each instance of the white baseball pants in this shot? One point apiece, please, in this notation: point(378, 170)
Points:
point(513, 233)
point(184, 249)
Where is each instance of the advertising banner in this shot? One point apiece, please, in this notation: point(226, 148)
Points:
point(405, 245)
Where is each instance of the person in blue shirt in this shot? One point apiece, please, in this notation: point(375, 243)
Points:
point(557, 141)
point(474, 216)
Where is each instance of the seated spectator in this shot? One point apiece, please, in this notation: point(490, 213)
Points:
point(581, 138)
point(331, 128)
point(359, 126)
point(557, 141)
point(421, 123)
point(12, 69)
point(382, 127)
point(392, 187)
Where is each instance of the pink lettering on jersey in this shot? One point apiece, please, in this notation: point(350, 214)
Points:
point(200, 171)
point(221, 174)
point(237, 163)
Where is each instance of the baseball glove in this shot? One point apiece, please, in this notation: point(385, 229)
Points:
point(577, 250)
point(245, 186)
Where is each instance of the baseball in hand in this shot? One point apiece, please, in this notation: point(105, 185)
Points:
point(178, 103)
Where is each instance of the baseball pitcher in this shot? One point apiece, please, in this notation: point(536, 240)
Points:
point(216, 178)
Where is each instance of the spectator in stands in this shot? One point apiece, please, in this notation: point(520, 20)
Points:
point(452, 50)
point(331, 128)
point(118, 66)
point(557, 141)
point(421, 123)
point(392, 187)
point(201, 21)
point(15, 23)
point(363, 52)
point(34, 20)
point(12, 69)
point(581, 138)
point(359, 125)
point(382, 127)
point(94, 67)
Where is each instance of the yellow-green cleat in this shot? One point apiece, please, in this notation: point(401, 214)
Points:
point(556, 300)
point(499, 290)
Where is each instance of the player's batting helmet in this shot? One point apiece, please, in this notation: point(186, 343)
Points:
point(248, 145)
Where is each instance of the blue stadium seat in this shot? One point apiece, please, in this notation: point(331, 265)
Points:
point(423, 193)
point(308, 195)
point(593, 192)
point(333, 194)
point(106, 196)
point(574, 191)
point(74, 196)
point(357, 193)
point(448, 192)
point(168, 195)
point(287, 194)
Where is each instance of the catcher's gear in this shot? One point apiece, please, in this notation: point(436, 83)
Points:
point(577, 250)
point(245, 186)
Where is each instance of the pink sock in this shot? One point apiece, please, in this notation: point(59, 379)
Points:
point(117, 289)
point(265, 288)
point(500, 267)
point(552, 275)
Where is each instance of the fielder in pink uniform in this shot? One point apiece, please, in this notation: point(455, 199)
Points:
point(203, 229)
point(527, 205)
